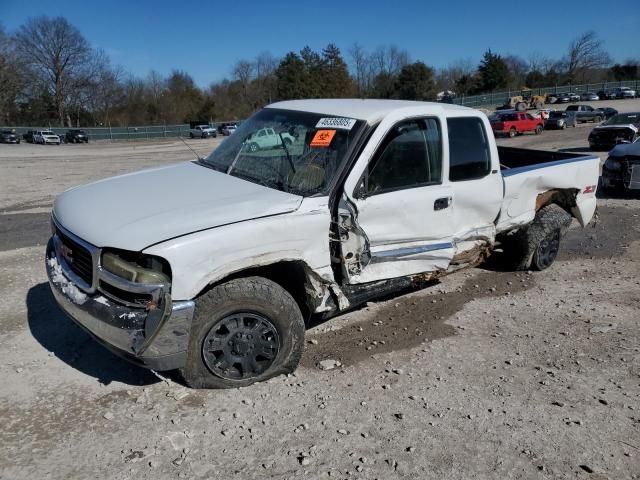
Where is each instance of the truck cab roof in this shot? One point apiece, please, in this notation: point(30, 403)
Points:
point(369, 110)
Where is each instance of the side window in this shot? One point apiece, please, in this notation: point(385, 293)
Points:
point(410, 156)
point(529, 116)
point(469, 154)
point(261, 133)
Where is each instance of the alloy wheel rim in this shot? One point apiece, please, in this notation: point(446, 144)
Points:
point(241, 346)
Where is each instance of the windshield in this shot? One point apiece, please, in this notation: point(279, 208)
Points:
point(623, 119)
point(557, 115)
point(297, 152)
point(47, 132)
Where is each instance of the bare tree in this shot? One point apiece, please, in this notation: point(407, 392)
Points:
point(585, 55)
point(448, 77)
point(12, 78)
point(360, 67)
point(57, 54)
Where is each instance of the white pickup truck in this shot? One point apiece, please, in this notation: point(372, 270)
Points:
point(215, 266)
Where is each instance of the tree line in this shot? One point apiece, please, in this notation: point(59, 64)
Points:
point(50, 74)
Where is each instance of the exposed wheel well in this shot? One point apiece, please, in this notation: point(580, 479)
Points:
point(564, 198)
point(290, 275)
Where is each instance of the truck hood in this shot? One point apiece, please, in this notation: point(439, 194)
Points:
point(140, 209)
point(630, 126)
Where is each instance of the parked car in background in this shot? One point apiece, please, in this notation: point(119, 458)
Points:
point(607, 112)
point(574, 97)
point(9, 136)
point(585, 113)
point(76, 136)
point(228, 130)
point(589, 96)
point(607, 94)
point(514, 123)
point(28, 136)
point(621, 128)
point(562, 98)
point(560, 120)
point(624, 92)
point(46, 137)
point(202, 131)
point(621, 170)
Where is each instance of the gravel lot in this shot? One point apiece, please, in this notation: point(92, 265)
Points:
point(488, 374)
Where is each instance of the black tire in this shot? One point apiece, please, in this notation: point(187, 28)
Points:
point(536, 246)
point(245, 302)
point(254, 147)
point(521, 106)
point(538, 130)
point(512, 132)
point(190, 135)
point(597, 119)
point(564, 126)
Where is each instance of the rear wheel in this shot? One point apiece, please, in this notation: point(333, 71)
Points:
point(190, 135)
point(597, 119)
point(513, 132)
point(536, 246)
point(253, 147)
point(244, 331)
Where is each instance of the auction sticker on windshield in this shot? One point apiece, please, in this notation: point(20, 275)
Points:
point(337, 122)
point(322, 138)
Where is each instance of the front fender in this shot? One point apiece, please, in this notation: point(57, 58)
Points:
point(202, 258)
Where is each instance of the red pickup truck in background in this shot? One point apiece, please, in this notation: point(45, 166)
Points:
point(513, 123)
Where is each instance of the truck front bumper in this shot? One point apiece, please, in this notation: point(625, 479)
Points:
point(156, 339)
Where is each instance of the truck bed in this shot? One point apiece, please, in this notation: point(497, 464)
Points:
point(517, 159)
point(530, 173)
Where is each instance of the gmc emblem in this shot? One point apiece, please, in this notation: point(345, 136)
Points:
point(66, 253)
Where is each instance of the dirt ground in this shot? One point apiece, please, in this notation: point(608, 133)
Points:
point(487, 374)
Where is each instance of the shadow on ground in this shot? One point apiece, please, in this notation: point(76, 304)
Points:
point(58, 334)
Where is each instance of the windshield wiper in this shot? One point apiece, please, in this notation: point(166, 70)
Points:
point(284, 145)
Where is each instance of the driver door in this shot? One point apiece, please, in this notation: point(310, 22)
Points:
point(395, 213)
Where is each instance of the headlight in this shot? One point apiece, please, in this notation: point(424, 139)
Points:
point(133, 271)
point(613, 165)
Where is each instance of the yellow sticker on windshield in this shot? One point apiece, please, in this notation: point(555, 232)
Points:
point(322, 138)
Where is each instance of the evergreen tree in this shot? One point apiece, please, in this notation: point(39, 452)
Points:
point(336, 81)
point(291, 77)
point(415, 82)
point(493, 72)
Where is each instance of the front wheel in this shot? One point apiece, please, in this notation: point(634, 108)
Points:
point(597, 119)
point(190, 135)
point(538, 130)
point(253, 147)
point(244, 331)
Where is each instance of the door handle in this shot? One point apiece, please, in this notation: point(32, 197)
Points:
point(442, 203)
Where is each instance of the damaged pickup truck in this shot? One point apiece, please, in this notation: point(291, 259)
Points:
point(215, 266)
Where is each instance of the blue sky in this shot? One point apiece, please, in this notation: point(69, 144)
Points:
point(205, 38)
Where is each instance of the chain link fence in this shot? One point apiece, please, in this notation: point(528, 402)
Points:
point(498, 98)
point(121, 133)
point(182, 130)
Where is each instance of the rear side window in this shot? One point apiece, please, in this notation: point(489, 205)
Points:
point(410, 156)
point(469, 155)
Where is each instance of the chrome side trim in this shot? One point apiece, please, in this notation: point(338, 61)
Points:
point(404, 252)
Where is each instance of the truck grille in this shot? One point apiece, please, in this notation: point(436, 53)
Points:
point(77, 257)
